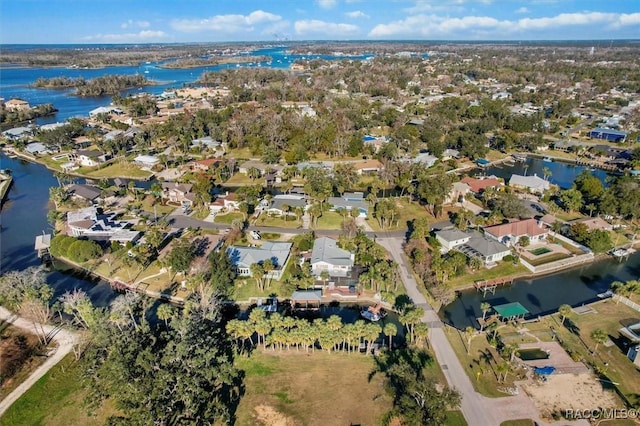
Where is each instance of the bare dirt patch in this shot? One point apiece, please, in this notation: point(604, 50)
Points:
point(269, 416)
point(570, 391)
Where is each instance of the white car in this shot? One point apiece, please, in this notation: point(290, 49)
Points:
point(255, 235)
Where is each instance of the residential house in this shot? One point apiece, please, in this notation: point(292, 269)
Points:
point(231, 203)
point(533, 183)
point(449, 154)
point(368, 167)
point(280, 201)
point(458, 190)
point(326, 256)
point(17, 133)
point(449, 239)
point(178, 193)
point(204, 165)
point(113, 134)
point(216, 206)
point(472, 244)
point(608, 134)
point(36, 148)
point(477, 186)
point(594, 223)
point(17, 105)
point(244, 167)
point(510, 233)
point(82, 142)
point(375, 142)
point(425, 158)
point(350, 201)
point(89, 223)
point(104, 110)
point(206, 142)
point(85, 192)
point(147, 161)
point(243, 257)
point(51, 126)
point(90, 158)
point(634, 355)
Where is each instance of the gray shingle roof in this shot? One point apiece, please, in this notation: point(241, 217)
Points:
point(326, 250)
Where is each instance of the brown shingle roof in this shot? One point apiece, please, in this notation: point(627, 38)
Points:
point(528, 227)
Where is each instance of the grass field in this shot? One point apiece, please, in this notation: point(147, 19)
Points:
point(278, 222)
point(407, 212)
point(55, 400)
point(504, 269)
point(240, 179)
point(124, 170)
point(612, 361)
point(329, 220)
point(547, 259)
point(486, 382)
point(228, 218)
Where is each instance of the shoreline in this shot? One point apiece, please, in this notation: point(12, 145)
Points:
point(34, 160)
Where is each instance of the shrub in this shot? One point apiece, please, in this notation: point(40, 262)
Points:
point(83, 250)
point(60, 245)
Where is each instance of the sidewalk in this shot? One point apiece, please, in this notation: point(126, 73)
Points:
point(65, 340)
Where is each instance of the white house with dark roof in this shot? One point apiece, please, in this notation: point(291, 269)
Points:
point(350, 201)
point(472, 244)
point(88, 223)
point(327, 256)
point(278, 203)
point(243, 257)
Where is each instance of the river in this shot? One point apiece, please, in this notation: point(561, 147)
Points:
point(14, 81)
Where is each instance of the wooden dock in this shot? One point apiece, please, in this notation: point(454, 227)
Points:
point(491, 285)
point(5, 184)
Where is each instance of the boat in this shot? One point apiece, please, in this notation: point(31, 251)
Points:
point(373, 313)
point(605, 295)
point(547, 160)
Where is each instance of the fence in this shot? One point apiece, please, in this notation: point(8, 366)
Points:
point(630, 303)
point(559, 264)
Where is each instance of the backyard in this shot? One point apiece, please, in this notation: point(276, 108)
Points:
point(119, 169)
point(406, 213)
point(503, 269)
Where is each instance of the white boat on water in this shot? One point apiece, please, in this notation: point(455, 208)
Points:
point(373, 313)
point(606, 294)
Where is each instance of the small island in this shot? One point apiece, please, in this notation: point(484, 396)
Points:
point(105, 85)
point(213, 61)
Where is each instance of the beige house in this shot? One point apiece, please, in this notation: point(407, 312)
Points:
point(17, 105)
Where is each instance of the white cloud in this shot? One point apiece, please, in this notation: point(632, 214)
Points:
point(486, 26)
point(142, 36)
point(327, 4)
point(130, 23)
point(356, 14)
point(226, 23)
point(523, 10)
point(317, 27)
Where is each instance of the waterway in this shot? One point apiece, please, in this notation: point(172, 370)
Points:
point(543, 296)
point(14, 81)
point(23, 216)
point(563, 174)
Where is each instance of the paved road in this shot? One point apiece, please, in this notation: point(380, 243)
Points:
point(65, 340)
point(477, 409)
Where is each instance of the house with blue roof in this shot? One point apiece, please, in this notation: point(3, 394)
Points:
point(608, 134)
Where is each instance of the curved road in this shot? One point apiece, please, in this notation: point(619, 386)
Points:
point(65, 340)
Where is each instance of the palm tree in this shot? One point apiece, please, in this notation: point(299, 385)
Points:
point(484, 307)
point(469, 332)
point(502, 369)
point(599, 336)
point(421, 331)
point(257, 272)
point(564, 310)
point(390, 330)
point(165, 312)
point(525, 167)
point(546, 173)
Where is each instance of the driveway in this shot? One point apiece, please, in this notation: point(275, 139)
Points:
point(65, 340)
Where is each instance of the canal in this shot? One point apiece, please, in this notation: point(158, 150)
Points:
point(542, 296)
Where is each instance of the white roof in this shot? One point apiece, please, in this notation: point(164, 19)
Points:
point(533, 182)
point(247, 256)
point(148, 159)
point(326, 250)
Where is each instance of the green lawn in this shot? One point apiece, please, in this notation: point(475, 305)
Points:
point(278, 222)
point(157, 208)
point(329, 220)
point(610, 317)
point(455, 418)
point(503, 269)
point(228, 218)
point(519, 422)
point(240, 179)
point(547, 259)
point(118, 169)
point(407, 212)
point(56, 400)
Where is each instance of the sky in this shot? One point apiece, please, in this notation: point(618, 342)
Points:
point(177, 21)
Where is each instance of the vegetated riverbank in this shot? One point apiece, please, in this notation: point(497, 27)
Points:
point(218, 60)
point(36, 160)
